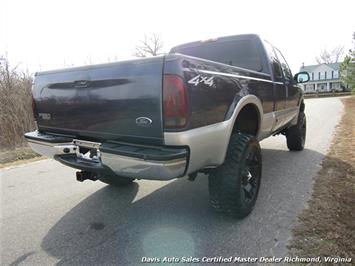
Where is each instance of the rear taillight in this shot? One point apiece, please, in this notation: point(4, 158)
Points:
point(174, 102)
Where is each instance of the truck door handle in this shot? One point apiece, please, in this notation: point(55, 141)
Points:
point(81, 83)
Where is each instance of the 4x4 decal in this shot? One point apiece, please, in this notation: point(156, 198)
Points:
point(198, 79)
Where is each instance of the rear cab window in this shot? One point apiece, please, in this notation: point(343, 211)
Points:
point(242, 53)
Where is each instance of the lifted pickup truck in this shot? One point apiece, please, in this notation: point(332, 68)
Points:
point(203, 107)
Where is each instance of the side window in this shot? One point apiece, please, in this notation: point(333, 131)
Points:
point(277, 69)
point(285, 68)
point(275, 63)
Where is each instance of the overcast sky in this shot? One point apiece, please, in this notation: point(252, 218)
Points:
point(43, 35)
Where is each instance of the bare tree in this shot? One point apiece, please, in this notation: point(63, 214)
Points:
point(333, 56)
point(150, 46)
point(2, 61)
point(338, 52)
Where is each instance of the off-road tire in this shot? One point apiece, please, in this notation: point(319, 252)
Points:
point(296, 135)
point(115, 180)
point(227, 183)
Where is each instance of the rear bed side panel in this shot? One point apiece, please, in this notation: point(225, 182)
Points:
point(213, 103)
point(103, 102)
point(214, 107)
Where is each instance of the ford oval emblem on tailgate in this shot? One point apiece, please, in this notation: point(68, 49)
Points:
point(144, 121)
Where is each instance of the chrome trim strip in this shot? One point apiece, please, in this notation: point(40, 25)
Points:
point(231, 75)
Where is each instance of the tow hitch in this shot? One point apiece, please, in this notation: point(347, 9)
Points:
point(81, 176)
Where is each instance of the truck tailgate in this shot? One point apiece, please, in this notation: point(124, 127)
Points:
point(117, 101)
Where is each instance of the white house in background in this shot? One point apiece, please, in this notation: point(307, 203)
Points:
point(323, 78)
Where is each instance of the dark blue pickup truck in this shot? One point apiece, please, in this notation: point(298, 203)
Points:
point(203, 107)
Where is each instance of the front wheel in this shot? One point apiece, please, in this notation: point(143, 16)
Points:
point(234, 185)
point(296, 135)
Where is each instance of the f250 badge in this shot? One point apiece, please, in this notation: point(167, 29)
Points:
point(201, 79)
point(44, 116)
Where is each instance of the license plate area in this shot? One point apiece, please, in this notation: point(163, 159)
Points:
point(87, 150)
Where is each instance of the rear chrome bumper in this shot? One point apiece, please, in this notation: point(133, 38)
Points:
point(66, 151)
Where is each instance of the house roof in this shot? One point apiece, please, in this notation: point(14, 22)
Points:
point(311, 68)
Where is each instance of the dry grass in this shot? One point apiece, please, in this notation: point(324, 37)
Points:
point(18, 156)
point(327, 226)
point(327, 94)
point(16, 116)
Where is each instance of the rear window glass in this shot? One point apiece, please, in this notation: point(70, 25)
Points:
point(240, 53)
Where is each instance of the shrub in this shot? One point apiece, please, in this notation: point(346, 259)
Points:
point(16, 115)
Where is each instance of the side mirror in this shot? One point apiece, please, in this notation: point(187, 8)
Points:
point(301, 77)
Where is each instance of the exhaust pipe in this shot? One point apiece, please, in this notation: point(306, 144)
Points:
point(81, 176)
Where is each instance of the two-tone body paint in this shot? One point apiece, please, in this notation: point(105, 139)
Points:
point(214, 103)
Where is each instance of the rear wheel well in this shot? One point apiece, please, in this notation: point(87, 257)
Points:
point(247, 120)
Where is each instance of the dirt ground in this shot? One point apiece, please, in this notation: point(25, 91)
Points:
point(17, 155)
point(327, 226)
